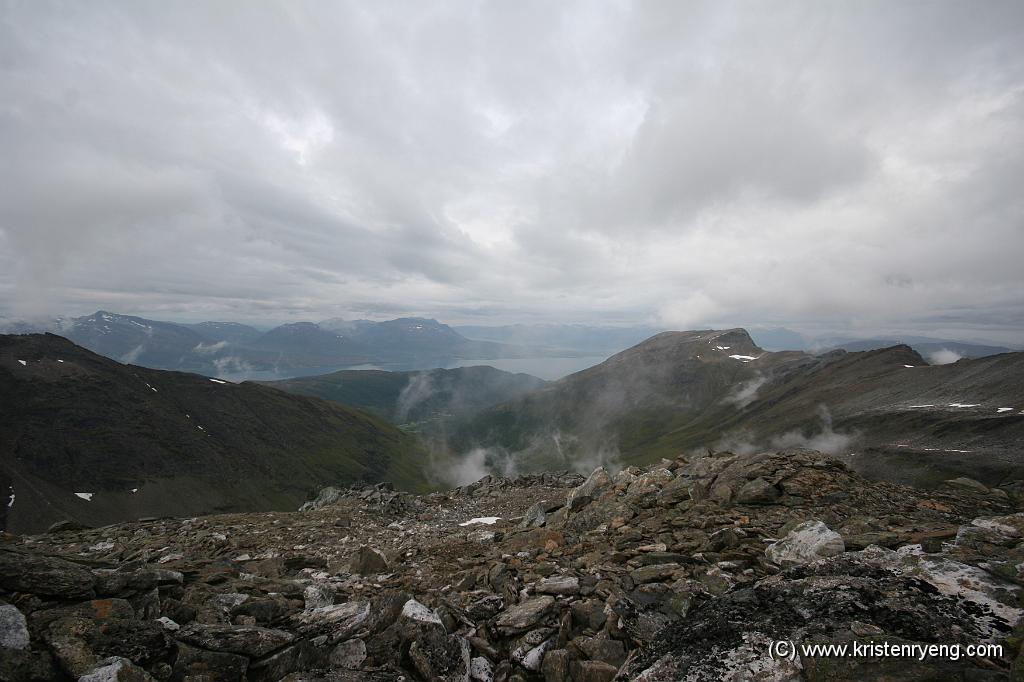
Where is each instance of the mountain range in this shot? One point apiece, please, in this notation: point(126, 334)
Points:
point(233, 350)
point(139, 441)
point(940, 351)
point(887, 410)
point(238, 351)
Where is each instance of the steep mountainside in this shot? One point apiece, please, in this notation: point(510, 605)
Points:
point(622, 406)
point(412, 397)
point(902, 418)
point(684, 390)
point(85, 438)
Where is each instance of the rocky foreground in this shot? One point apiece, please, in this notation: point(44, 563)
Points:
point(685, 570)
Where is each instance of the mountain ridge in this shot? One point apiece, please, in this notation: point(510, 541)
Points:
point(683, 390)
point(141, 442)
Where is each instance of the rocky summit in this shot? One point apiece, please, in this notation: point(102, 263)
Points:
point(689, 569)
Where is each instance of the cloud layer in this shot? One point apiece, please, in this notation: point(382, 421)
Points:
point(818, 164)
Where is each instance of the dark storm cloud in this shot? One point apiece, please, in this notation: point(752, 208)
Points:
point(851, 165)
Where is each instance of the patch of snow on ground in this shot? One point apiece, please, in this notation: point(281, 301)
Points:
point(10, 502)
point(744, 358)
point(909, 366)
point(489, 520)
point(60, 361)
point(85, 496)
point(912, 406)
point(218, 381)
point(1005, 409)
point(23, 363)
point(134, 490)
point(965, 404)
point(723, 347)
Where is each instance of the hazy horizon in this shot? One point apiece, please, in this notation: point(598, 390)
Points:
point(831, 168)
point(814, 339)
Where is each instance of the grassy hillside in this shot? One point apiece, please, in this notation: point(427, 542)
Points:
point(416, 399)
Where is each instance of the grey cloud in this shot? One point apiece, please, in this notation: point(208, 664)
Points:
point(681, 164)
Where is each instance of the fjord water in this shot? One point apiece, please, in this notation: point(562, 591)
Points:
point(547, 368)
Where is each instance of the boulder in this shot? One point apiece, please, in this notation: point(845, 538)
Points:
point(25, 665)
point(757, 491)
point(593, 671)
point(555, 666)
point(294, 658)
point(13, 628)
point(485, 607)
point(809, 541)
point(534, 516)
point(66, 526)
point(246, 640)
point(317, 597)
point(349, 655)
point(343, 620)
point(198, 664)
point(653, 573)
point(589, 490)
point(326, 496)
point(116, 669)
point(602, 648)
point(532, 657)
point(68, 640)
point(649, 483)
point(481, 537)
point(966, 483)
point(560, 585)
point(369, 561)
point(44, 575)
point(523, 616)
point(481, 670)
point(442, 657)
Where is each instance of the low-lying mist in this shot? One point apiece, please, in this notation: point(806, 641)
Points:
point(944, 357)
point(825, 439)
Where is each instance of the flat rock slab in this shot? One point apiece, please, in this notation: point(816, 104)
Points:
point(21, 572)
point(525, 615)
point(563, 585)
point(246, 640)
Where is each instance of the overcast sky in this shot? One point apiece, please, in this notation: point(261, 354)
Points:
point(823, 165)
